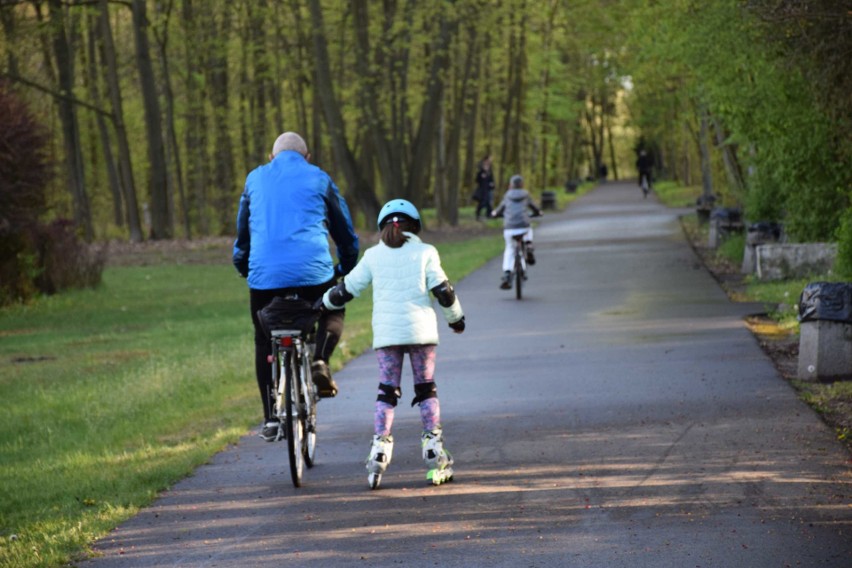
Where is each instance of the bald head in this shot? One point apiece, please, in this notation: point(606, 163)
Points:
point(290, 141)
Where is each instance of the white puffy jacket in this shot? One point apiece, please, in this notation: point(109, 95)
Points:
point(402, 279)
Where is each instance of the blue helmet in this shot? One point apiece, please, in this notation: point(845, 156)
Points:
point(398, 206)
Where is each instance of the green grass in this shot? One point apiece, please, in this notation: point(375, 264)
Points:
point(732, 249)
point(673, 194)
point(112, 395)
point(783, 295)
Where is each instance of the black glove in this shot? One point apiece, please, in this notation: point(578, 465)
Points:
point(458, 326)
point(319, 305)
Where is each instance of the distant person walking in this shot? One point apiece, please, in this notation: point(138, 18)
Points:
point(484, 192)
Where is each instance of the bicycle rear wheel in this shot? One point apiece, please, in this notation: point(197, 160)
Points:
point(309, 391)
point(519, 272)
point(293, 420)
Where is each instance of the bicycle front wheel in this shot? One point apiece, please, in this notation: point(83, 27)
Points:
point(293, 421)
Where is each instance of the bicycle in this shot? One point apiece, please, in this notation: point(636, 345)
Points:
point(519, 266)
point(645, 184)
point(291, 323)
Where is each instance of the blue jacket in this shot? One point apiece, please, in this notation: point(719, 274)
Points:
point(287, 211)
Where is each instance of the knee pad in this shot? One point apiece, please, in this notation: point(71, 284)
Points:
point(424, 391)
point(389, 395)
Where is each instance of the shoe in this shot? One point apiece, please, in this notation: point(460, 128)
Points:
point(321, 375)
point(506, 281)
point(530, 255)
point(272, 430)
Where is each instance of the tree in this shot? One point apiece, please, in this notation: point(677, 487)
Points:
point(68, 115)
point(125, 164)
point(162, 210)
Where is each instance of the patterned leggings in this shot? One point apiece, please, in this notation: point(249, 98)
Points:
point(390, 373)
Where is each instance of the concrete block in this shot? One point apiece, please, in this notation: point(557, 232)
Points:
point(825, 350)
point(777, 261)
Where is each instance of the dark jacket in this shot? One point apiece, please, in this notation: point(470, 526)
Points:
point(484, 185)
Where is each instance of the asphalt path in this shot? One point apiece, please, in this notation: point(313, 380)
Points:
point(621, 414)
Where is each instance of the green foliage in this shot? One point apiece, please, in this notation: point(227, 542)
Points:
point(720, 54)
point(25, 170)
point(843, 265)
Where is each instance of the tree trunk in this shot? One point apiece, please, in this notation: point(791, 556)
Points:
point(103, 128)
point(124, 162)
point(470, 123)
point(512, 91)
point(704, 149)
point(172, 147)
point(389, 149)
point(430, 113)
point(162, 221)
point(303, 75)
point(612, 161)
point(195, 133)
point(7, 19)
point(440, 185)
point(361, 192)
point(459, 120)
point(68, 117)
point(261, 137)
point(729, 157)
point(215, 43)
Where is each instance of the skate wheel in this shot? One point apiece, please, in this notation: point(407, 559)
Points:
point(374, 479)
point(439, 476)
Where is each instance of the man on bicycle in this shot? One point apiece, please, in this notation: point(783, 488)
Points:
point(644, 165)
point(516, 221)
point(287, 211)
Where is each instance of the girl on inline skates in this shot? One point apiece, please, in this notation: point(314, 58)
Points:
point(403, 270)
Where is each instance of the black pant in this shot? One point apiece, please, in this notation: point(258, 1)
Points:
point(328, 333)
point(484, 204)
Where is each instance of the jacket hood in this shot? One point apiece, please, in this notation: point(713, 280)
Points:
point(517, 194)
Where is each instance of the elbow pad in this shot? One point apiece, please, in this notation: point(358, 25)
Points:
point(445, 294)
point(337, 296)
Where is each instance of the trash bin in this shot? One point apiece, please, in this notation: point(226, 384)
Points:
point(548, 200)
point(825, 331)
point(703, 207)
point(571, 186)
point(759, 233)
point(723, 222)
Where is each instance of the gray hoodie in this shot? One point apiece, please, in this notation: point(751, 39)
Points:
point(514, 209)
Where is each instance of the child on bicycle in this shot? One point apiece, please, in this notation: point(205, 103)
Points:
point(403, 271)
point(516, 221)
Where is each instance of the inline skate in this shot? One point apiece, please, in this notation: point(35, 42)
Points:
point(380, 457)
point(438, 460)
